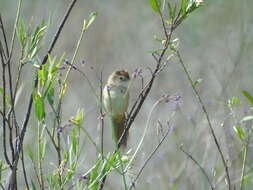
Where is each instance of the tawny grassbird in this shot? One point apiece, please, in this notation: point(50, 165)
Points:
point(115, 99)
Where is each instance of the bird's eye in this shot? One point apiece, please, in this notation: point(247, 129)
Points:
point(121, 78)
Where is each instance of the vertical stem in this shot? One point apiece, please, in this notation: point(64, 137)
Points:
point(4, 114)
point(24, 170)
point(101, 113)
point(245, 155)
point(40, 157)
point(59, 159)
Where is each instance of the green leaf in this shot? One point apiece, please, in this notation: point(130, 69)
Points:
point(42, 150)
point(39, 106)
point(236, 100)
point(155, 4)
point(78, 119)
point(197, 82)
point(91, 19)
point(22, 34)
point(111, 161)
point(68, 175)
point(183, 7)
point(43, 74)
point(239, 131)
point(50, 94)
point(94, 174)
point(53, 68)
point(193, 5)
point(247, 118)
point(74, 142)
point(30, 153)
point(248, 96)
point(66, 154)
point(33, 46)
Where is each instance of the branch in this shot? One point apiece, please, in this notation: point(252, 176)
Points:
point(149, 158)
point(201, 168)
point(207, 118)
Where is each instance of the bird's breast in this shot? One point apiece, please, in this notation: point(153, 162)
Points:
point(116, 101)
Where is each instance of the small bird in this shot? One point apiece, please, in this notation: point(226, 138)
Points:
point(115, 100)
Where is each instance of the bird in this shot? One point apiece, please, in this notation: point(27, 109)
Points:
point(115, 101)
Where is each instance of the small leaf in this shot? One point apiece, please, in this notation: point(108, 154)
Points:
point(155, 4)
point(247, 118)
point(78, 119)
point(111, 161)
point(91, 19)
point(42, 75)
point(42, 150)
point(94, 174)
point(39, 106)
point(236, 100)
point(74, 142)
point(22, 34)
point(66, 154)
point(248, 96)
point(239, 131)
point(197, 82)
point(193, 5)
point(50, 94)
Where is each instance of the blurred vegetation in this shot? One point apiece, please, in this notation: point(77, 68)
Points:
point(215, 43)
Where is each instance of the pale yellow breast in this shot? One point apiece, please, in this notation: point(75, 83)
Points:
point(116, 101)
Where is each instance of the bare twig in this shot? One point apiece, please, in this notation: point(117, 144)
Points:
point(145, 91)
point(101, 112)
point(24, 170)
point(201, 168)
point(149, 158)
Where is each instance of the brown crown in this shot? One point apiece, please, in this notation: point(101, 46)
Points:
point(124, 73)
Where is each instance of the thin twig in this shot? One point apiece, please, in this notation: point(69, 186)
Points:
point(4, 110)
point(207, 118)
point(101, 112)
point(24, 170)
point(245, 155)
point(201, 168)
point(149, 158)
point(4, 35)
point(11, 112)
point(145, 91)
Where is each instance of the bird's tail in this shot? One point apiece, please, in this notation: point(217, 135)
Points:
point(118, 125)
